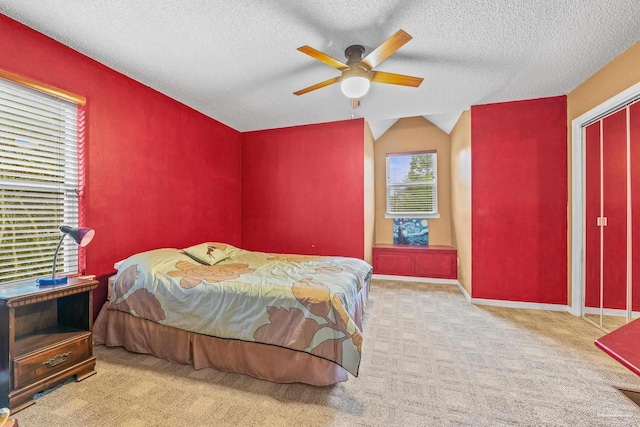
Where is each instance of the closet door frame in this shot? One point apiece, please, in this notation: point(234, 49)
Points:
point(578, 191)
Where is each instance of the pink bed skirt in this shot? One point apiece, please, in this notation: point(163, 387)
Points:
point(267, 362)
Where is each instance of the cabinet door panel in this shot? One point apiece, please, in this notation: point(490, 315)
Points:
point(435, 264)
point(390, 263)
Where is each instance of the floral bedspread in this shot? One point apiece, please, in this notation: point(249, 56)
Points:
point(304, 303)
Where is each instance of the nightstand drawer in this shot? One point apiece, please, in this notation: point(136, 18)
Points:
point(34, 366)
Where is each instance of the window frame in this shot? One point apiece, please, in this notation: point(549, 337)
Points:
point(72, 257)
point(428, 215)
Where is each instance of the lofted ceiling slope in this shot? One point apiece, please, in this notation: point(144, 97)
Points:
point(237, 61)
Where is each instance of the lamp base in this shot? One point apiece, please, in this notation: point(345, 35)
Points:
point(57, 281)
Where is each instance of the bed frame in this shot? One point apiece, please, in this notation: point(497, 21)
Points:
point(264, 361)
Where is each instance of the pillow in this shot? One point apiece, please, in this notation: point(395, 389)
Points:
point(206, 253)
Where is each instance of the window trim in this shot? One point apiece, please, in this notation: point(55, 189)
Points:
point(432, 215)
point(43, 87)
point(76, 218)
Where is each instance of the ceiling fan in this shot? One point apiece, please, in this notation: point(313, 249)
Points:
point(358, 73)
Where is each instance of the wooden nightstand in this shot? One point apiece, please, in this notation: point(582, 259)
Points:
point(45, 338)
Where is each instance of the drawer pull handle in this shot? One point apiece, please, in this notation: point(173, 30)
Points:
point(58, 359)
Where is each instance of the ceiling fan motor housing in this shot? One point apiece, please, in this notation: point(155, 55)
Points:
point(354, 53)
point(357, 68)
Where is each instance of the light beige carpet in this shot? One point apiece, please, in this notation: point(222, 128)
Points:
point(430, 359)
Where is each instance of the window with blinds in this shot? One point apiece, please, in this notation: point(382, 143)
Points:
point(412, 185)
point(38, 181)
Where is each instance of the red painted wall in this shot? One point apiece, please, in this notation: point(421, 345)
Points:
point(519, 199)
point(303, 189)
point(158, 173)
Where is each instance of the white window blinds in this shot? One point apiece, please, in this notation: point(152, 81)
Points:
point(38, 181)
point(412, 185)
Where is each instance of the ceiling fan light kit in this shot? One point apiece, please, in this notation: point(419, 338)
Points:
point(355, 83)
point(357, 73)
point(356, 79)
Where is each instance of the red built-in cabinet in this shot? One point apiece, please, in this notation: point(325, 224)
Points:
point(418, 261)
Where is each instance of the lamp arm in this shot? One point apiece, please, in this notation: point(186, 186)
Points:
point(55, 256)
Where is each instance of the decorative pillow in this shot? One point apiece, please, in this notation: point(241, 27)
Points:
point(206, 253)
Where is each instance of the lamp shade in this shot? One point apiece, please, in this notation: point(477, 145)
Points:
point(82, 236)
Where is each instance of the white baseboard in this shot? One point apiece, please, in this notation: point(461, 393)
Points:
point(520, 304)
point(416, 279)
point(512, 304)
point(464, 292)
point(477, 301)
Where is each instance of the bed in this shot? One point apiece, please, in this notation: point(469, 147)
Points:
point(279, 317)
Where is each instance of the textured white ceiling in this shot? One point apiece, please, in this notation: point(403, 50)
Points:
point(236, 61)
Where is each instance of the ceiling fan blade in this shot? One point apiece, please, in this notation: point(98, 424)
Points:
point(318, 86)
point(323, 57)
point(396, 79)
point(386, 49)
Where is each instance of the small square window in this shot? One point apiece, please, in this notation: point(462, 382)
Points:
point(412, 185)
